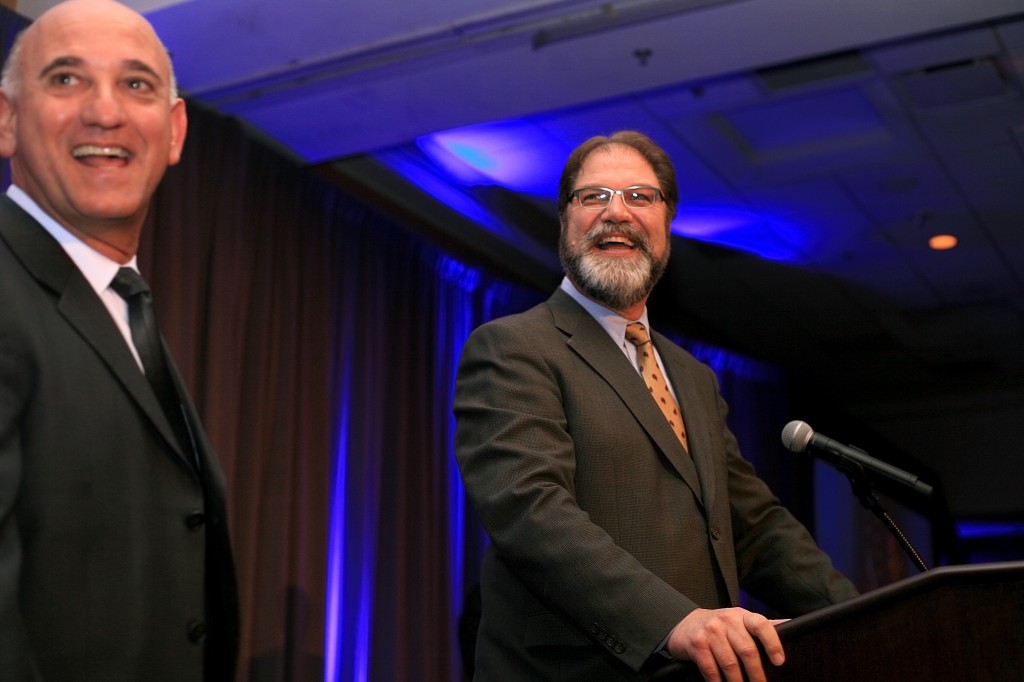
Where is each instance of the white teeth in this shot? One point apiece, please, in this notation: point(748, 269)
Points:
point(617, 240)
point(93, 150)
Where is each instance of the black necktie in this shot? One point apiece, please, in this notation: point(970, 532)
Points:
point(146, 337)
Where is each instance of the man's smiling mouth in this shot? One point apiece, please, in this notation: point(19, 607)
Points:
point(615, 242)
point(88, 150)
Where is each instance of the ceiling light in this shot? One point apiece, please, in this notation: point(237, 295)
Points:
point(942, 242)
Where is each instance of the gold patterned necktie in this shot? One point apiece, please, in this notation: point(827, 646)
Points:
point(637, 334)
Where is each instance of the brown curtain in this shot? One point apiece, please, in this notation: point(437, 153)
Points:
point(319, 339)
point(237, 254)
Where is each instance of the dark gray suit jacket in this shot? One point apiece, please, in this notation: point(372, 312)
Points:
point(115, 562)
point(604, 533)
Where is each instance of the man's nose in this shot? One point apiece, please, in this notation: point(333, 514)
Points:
point(103, 108)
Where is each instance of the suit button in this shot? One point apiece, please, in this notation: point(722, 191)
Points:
point(196, 631)
point(619, 647)
point(716, 533)
point(195, 520)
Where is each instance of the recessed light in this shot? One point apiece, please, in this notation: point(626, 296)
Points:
point(942, 242)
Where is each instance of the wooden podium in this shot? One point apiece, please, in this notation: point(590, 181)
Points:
point(955, 623)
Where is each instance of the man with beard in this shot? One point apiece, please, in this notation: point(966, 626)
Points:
point(621, 532)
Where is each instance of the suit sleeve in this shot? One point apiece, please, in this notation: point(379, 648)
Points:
point(16, 659)
point(778, 560)
point(517, 457)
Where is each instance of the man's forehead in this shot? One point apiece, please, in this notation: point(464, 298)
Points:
point(615, 157)
point(100, 34)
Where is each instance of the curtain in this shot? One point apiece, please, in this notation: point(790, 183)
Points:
point(405, 545)
point(758, 397)
point(238, 253)
point(319, 341)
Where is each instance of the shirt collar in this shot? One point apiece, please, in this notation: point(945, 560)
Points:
point(611, 321)
point(98, 270)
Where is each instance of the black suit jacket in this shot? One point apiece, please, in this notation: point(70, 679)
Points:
point(115, 562)
point(604, 533)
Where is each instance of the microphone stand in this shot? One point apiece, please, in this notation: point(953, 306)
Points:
point(866, 494)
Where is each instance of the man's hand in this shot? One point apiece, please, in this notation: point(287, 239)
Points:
point(722, 643)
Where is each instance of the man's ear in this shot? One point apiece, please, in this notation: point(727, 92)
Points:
point(179, 126)
point(8, 125)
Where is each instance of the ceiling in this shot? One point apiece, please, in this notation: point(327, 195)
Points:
point(818, 144)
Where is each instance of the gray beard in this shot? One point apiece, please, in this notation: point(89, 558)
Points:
point(616, 283)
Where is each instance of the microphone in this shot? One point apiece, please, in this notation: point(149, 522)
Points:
point(798, 437)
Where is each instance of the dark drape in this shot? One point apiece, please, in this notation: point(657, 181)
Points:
point(319, 340)
point(237, 251)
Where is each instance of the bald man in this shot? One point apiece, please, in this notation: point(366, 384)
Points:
point(115, 563)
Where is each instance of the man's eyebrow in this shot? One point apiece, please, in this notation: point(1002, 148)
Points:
point(60, 63)
point(139, 65)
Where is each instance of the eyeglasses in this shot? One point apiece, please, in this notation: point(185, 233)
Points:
point(598, 198)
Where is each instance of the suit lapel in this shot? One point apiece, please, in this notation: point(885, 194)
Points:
point(592, 344)
point(690, 400)
point(47, 262)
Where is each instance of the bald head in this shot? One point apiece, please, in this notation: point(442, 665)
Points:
point(92, 15)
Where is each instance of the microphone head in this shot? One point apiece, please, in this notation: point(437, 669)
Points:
point(796, 435)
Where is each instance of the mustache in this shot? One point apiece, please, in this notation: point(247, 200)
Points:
point(630, 231)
